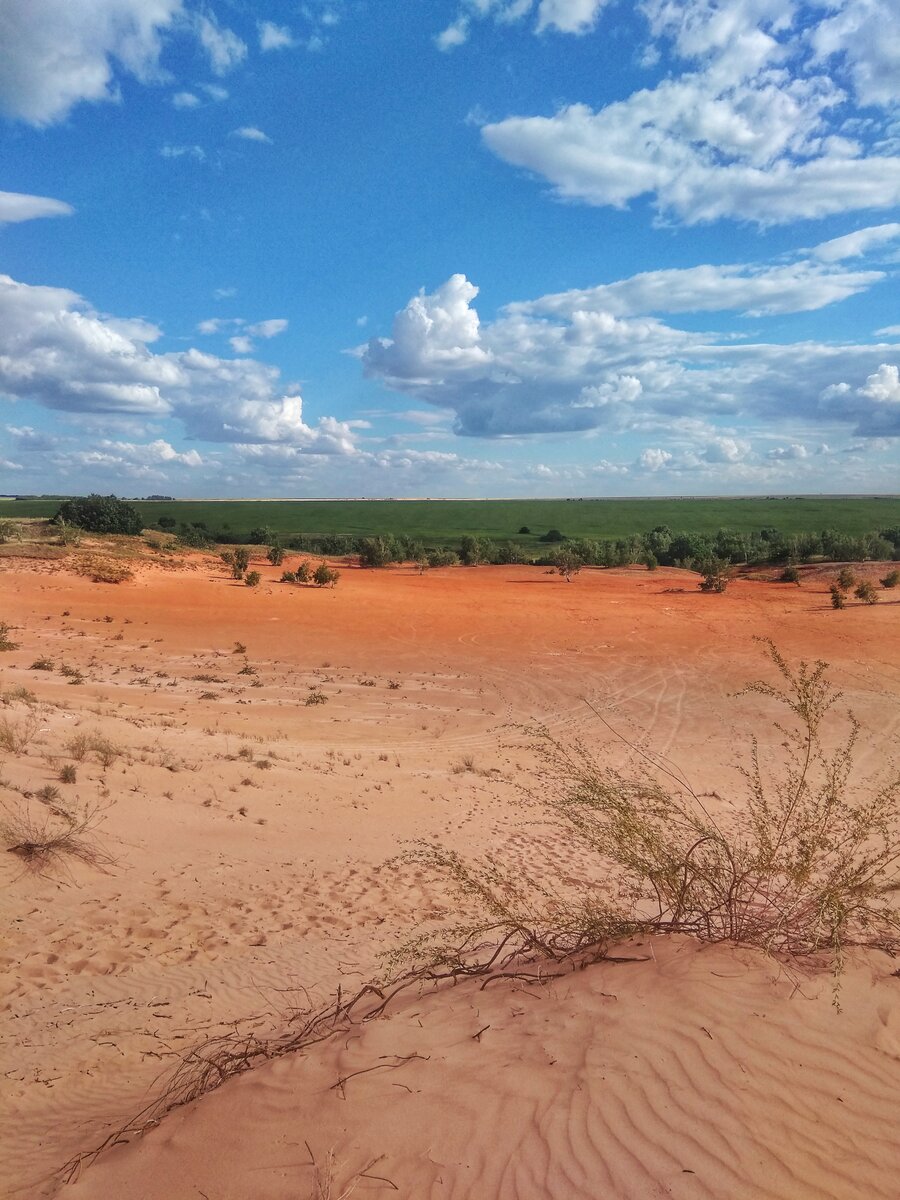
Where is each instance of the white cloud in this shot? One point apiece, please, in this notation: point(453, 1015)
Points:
point(753, 289)
point(17, 206)
point(215, 91)
point(56, 53)
point(274, 37)
point(863, 36)
point(754, 130)
point(889, 331)
point(241, 344)
point(251, 134)
point(224, 293)
point(56, 351)
point(268, 329)
point(854, 245)
point(653, 459)
point(561, 16)
point(185, 100)
point(223, 47)
point(195, 152)
point(792, 453)
point(568, 16)
point(591, 361)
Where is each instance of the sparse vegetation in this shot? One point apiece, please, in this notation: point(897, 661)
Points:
point(325, 576)
point(252, 579)
point(6, 643)
point(275, 555)
point(67, 774)
point(16, 735)
point(806, 859)
point(100, 569)
point(838, 598)
point(49, 839)
point(790, 575)
point(715, 576)
point(891, 580)
point(865, 591)
point(42, 664)
point(846, 578)
point(315, 697)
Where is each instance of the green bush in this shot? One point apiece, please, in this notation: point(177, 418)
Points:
point(891, 579)
point(790, 575)
point(100, 514)
point(275, 555)
point(846, 578)
point(865, 591)
point(838, 599)
point(324, 576)
point(252, 579)
point(715, 576)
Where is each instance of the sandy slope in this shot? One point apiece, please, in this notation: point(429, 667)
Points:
point(238, 885)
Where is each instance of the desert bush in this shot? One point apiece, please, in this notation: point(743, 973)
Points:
point(865, 591)
point(325, 576)
point(552, 535)
point(805, 858)
point(790, 575)
point(10, 531)
point(838, 599)
point(102, 570)
point(252, 578)
point(288, 576)
point(69, 535)
point(42, 664)
point(315, 697)
point(715, 576)
point(891, 579)
point(6, 643)
point(49, 838)
point(275, 555)
point(100, 514)
point(566, 564)
point(846, 578)
point(442, 558)
point(17, 735)
point(67, 774)
point(80, 745)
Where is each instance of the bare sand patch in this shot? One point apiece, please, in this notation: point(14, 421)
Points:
point(248, 830)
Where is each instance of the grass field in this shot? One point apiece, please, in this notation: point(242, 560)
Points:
point(445, 521)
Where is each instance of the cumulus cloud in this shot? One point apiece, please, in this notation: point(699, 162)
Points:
point(251, 134)
point(55, 53)
point(56, 351)
point(752, 129)
point(18, 206)
point(591, 360)
point(245, 331)
point(185, 100)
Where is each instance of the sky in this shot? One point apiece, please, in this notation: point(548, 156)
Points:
point(449, 247)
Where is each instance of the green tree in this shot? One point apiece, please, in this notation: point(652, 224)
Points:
point(100, 514)
point(275, 555)
point(325, 576)
point(715, 576)
point(566, 564)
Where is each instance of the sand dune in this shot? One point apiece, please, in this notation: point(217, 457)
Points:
point(249, 830)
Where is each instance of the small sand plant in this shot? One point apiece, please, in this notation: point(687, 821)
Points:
point(17, 734)
point(6, 642)
point(47, 839)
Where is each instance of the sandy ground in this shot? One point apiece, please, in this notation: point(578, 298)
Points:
point(248, 830)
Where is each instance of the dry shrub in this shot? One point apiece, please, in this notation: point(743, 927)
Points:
point(6, 642)
point(102, 570)
point(17, 735)
point(806, 859)
point(82, 744)
point(46, 840)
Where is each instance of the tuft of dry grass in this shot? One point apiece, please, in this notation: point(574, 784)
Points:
point(82, 744)
point(100, 569)
point(17, 735)
point(48, 839)
point(6, 643)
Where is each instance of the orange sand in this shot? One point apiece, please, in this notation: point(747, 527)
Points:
point(236, 887)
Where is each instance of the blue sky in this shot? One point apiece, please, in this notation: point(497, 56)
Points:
point(473, 247)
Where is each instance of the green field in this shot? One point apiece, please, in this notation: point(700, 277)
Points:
point(437, 522)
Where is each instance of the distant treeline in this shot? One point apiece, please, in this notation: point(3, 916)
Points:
point(661, 546)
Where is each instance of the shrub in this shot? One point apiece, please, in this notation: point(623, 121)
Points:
point(846, 578)
point(288, 577)
point(442, 558)
point(651, 562)
point(43, 842)
point(552, 535)
point(804, 859)
point(865, 591)
point(5, 641)
point(715, 576)
point(238, 560)
point(891, 579)
point(790, 575)
point(275, 555)
point(324, 576)
point(566, 564)
point(67, 774)
point(10, 531)
point(837, 597)
point(16, 736)
point(315, 697)
point(524, 529)
point(304, 572)
point(42, 664)
point(100, 514)
point(252, 579)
